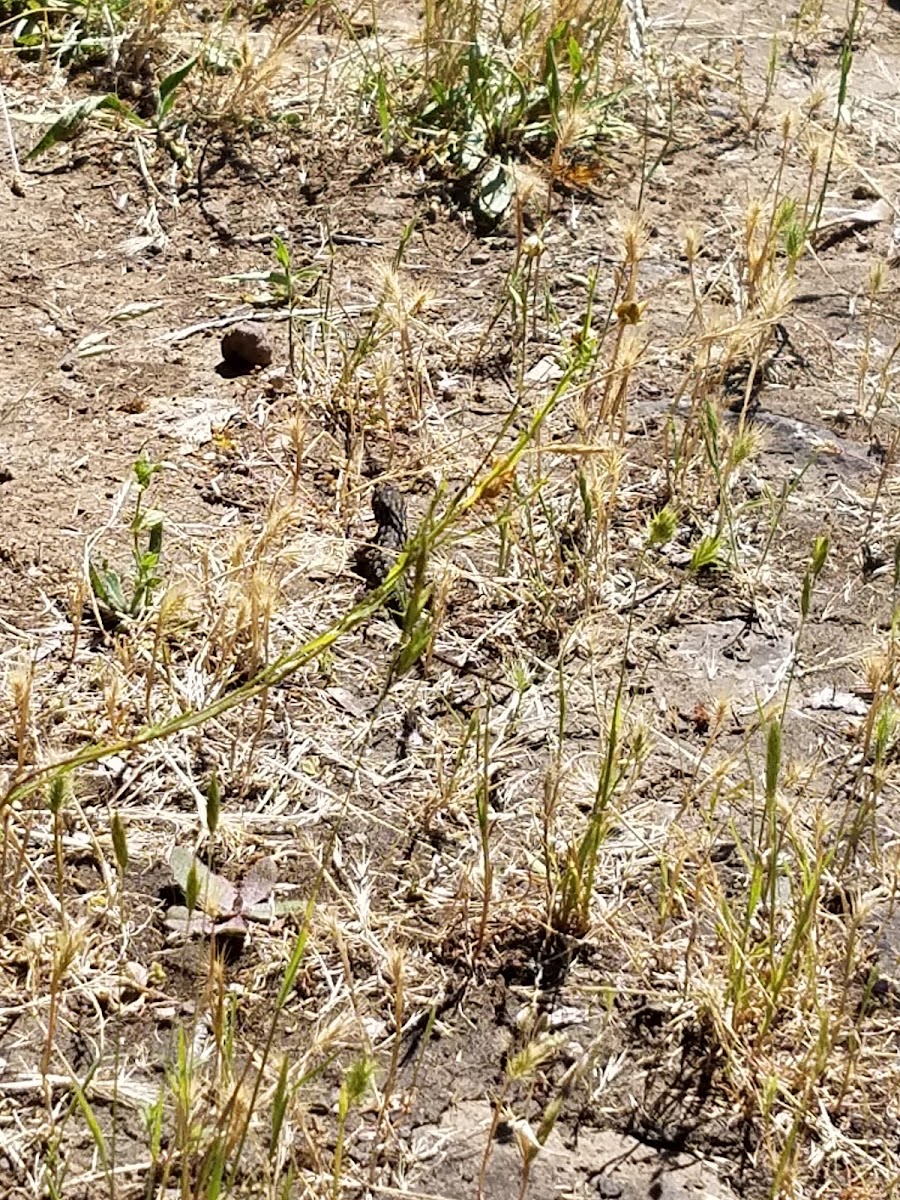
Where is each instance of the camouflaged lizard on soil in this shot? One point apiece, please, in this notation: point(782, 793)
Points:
point(373, 560)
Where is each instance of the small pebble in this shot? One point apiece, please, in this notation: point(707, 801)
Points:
point(278, 382)
point(247, 345)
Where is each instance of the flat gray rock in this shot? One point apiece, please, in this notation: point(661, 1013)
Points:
point(603, 1164)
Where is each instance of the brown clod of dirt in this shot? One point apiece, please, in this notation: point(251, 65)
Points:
point(247, 345)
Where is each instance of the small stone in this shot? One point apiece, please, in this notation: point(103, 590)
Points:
point(246, 345)
point(608, 1187)
point(278, 382)
point(135, 976)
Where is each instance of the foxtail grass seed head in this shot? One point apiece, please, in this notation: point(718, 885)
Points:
point(173, 607)
point(662, 526)
point(213, 804)
point(795, 235)
point(59, 792)
point(120, 842)
point(816, 151)
point(706, 553)
point(885, 727)
point(238, 549)
point(773, 759)
point(785, 213)
point(528, 183)
point(356, 1083)
point(632, 233)
point(70, 940)
point(533, 246)
point(745, 446)
point(574, 125)
point(876, 671)
point(192, 888)
point(690, 246)
point(753, 219)
point(640, 742)
point(523, 1066)
point(400, 301)
point(820, 554)
point(20, 680)
point(632, 345)
point(297, 431)
point(877, 276)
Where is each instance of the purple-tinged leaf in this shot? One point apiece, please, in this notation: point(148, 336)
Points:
point(216, 895)
point(187, 924)
point(259, 883)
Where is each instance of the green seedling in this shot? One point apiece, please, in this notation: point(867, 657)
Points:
point(493, 109)
point(119, 600)
point(279, 286)
point(354, 1086)
point(71, 31)
point(71, 121)
point(844, 65)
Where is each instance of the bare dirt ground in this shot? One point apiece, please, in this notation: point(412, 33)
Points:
point(721, 1019)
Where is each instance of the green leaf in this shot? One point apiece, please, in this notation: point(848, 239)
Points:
point(279, 1105)
point(169, 86)
point(551, 80)
point(71, 120)
point(384, 110)
point(155, 544)
point(258, 884)
point(107, 587)
point(187, 922)
point(414, 646)
point(472, 148)
point(145, 580)
point(27, 32)
point(90, 1120)
point(496, 192)
point(98, 584)
point(290, 971)
point(805, 595)
point(282, 255)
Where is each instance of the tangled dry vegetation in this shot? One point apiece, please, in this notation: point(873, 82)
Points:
point(558, 857)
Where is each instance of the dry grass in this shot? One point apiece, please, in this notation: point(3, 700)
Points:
point(579, 832)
